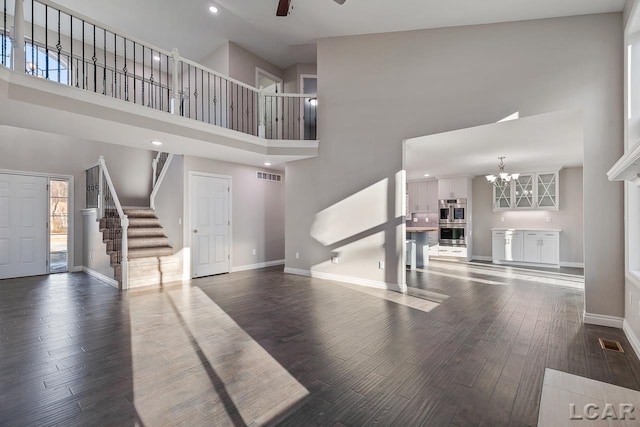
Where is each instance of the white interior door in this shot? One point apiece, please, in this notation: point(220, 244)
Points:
point(210, 225)
point(23, 225)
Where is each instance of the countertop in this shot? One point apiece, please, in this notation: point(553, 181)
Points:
point(525, 229)
point(421, 229)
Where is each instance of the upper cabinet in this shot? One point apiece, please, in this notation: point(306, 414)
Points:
point(454, 188)
point(422, 196)
point(529, 191)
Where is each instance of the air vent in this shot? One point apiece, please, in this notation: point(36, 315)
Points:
point(610, 345)
point(268, 176)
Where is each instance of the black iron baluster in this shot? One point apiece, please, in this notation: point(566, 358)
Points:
point(104, 59)
point(189, 88)
point(46, 41)
point(208, 97)
point(84, 73)
point(33, 38)
point(202, 88)
point(215, 101)
point(59, 47)
point(151, 86)
point(125, 70)
point(116, 88)
point(135, 74)
point(143, 91)
point(160, 81)
point(168, 86)
point(71, 59)
point(95, 61)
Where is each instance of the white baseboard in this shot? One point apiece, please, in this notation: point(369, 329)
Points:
point(256, 266)
point(345, 279)
point(633, 338)
point(571, 264)
point(76, 269)
point(481, 258)
point(101, 277)
point(603, 320)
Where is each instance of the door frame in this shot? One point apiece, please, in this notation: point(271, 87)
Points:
point(187, 267)
point(301, 91)
point(71, 267)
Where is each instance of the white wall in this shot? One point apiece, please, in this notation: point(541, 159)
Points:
point(569, 217)
point(218, 60)
point(377, 90)
point(257, 211)
point(32, 151)
point(242, 65)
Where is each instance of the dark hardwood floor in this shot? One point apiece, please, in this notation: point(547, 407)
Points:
point(264, 347)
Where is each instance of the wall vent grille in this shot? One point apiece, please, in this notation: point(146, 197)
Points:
point(268, 176)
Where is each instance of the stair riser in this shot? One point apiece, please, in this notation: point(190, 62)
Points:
point(152, 242)
point(144, 222)
point(145, 232)
point(139, 213)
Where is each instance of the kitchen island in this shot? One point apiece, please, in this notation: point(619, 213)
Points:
point(423, 239)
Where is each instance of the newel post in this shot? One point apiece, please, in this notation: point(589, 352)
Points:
point(19, 58)
point(262, 105)
point(175, 96)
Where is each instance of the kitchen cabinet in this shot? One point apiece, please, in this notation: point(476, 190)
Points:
point(506, 245)
point(526, 246)
point(530, 191)
point(454, 188)
point(422, 196)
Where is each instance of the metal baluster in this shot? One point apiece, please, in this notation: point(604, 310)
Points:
point(71, 57)
point(135, 74)
point(4, 36)
point(202, 88)
point(160, 82)
point(59, 47)
point(116, 88)
point(168, 84)
point(143, 48)
point(151, 87)
point(189, 88)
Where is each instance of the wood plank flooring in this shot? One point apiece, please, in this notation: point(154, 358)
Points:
point(266, 348)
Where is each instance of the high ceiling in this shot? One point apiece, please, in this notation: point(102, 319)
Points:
point(252, 24)
point(532, 144)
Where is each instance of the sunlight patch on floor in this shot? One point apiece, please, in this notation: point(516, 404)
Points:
point(227, 377)
point(537, 276)
point(462, 277)
point(396, 297)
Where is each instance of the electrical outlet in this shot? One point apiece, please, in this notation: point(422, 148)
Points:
point(548, 219)
point(297, 255)
point(334, 260)
point(426, 220)
point(253, 251)
point(381, 265)
point(179, 221)
point(91, 255)
point(501, 219)
point(415, 219)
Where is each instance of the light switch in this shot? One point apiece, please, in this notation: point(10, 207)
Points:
point(548, 219)
point(426, 220)
point(297, 255)
point(179, 221)
point(381, 265)
point(501, 219)
point(253, 252)
point(415, 219)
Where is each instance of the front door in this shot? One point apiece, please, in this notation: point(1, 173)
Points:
point(23, 225)
point(210, 225)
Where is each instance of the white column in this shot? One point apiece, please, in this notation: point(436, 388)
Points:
point(18, 60)
point(124, 263)
point(175, 96)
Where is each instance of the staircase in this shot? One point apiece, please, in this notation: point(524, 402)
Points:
point(151, 259)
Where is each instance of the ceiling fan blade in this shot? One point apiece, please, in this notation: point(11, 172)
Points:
point(340, 1)
point(283, 7)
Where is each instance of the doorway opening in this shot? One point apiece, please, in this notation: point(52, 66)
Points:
point(270, 106)
point(309, 86)
point(58, 225)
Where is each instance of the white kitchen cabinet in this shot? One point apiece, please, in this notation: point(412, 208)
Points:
point(422, 196)
point(506, 245)
point(530, 191)
point(526, 246)
point(453, 188)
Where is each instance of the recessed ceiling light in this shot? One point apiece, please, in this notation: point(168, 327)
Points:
point(213, 9)
point(267, 164)
point(426, 174)
point(156, 57)
point(156, 142)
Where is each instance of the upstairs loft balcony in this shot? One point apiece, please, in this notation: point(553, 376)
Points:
point(77, 77)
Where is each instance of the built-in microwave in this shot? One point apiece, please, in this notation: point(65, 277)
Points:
point(453, 211)
point(453, 235)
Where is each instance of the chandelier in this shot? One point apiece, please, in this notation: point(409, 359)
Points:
point(502, 179)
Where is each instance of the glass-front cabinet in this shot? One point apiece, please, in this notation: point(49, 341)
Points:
point(547, 191)
point(530, 191)
point(502, 198)
point(524, 192)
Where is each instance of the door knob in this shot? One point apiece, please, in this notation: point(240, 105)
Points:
point(195, 231)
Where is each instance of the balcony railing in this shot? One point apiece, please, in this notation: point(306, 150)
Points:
point(68, 48)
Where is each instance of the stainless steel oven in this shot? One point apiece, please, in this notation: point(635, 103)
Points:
point(453, 235)
point(453, 211)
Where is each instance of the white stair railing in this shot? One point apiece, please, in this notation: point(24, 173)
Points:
point(160, 166)
point(108, 201)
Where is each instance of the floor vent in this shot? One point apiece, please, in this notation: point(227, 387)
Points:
point(610, 345)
